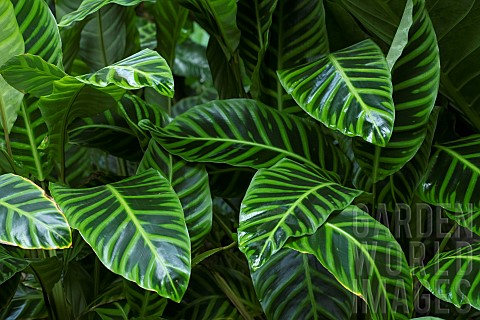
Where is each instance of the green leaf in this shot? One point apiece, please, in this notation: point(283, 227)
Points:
point(469, 220)
point(451, 180)
point(30, 73)
point(136, 228)
point(453, 277)
point(401, 37)
point(27, 303)
point(88, 7)
point(144, 303)
point(298, 34)
point(7, 291)
point(169, 19)
point(26, 136)
point(349, 90)
point(11, 44)
point(39, 30)
point(366, 259)
point(400, 187)
point(254, 19)
point(218, 18)
point(294, 285)
point(190, 182)
point(10, 264)
point(245, 132)
point(71, 99)
point(143, 69)
point(48, 272)
point(415, 85)
point(28, 218)
point(284, 201)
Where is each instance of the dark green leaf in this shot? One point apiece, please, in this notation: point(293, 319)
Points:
point(10, 264)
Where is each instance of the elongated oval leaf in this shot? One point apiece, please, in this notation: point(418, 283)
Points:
point(28, 218)
point(245, 132)
point(366, 259)
point(349, 90)
point(11, 44)
point(284, 201)
point(453, 276)
point(294, 285)
point(136, 228)
point(39, 30)
point(452, 178)
point(415, 86)
point(143, 69)
point(190, 182)
point(401, 36)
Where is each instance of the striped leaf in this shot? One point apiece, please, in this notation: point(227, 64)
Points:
point(25, 139)
point(88, 7)
point(107, 131)
point(349, 91)
point(245, 132)
point(136, 228)
point(28, 303)
point(452, 178)
point(28, 218)
point(218, 18)
point(254, 19)
point(294, 285)
point(10, 264)
point(415, 79)
point(11, 44)
point(284, 201)
point(469, 220)
point(169, 19)
point(298, 34)
point(190, 182)
point(401, 186)
point(144, 303)
point(453, 276)
point(71, 99)
point(366, 259)
point(30, 73)
point(143, 69)
point(39, 30)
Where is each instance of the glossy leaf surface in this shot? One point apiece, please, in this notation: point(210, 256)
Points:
point(349, 90)
point(28, 218)
point(136, 228)
point(284, 201)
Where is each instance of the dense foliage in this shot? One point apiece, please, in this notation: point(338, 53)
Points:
point(224, 159)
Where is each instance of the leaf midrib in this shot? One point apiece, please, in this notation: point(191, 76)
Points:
point(128, 210)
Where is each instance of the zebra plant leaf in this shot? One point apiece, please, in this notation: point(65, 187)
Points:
point(30, 73)
point(136, 228)
point(245, 132)
point(469, 220)
point(366, 259)
point(349, 90)
point(88, 7)
point(453, 276)
point(190, 182)
point(10, 264)
point(298, 34)
point(29, 218)
point(452, 176)
point(11, 44)
point(39, 30)
point(284, 201)
point(294, 285)
point(144, 303)
point(143, 69)
point(415, 79)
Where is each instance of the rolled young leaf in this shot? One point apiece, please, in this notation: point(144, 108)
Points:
point(29, 218)
point(349, 90)
point(137, 229)
point(365, 258)
point(284, 201)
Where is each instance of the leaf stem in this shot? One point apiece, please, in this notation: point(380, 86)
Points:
point(231, 295)
point(5, 129)
point(209, 253)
